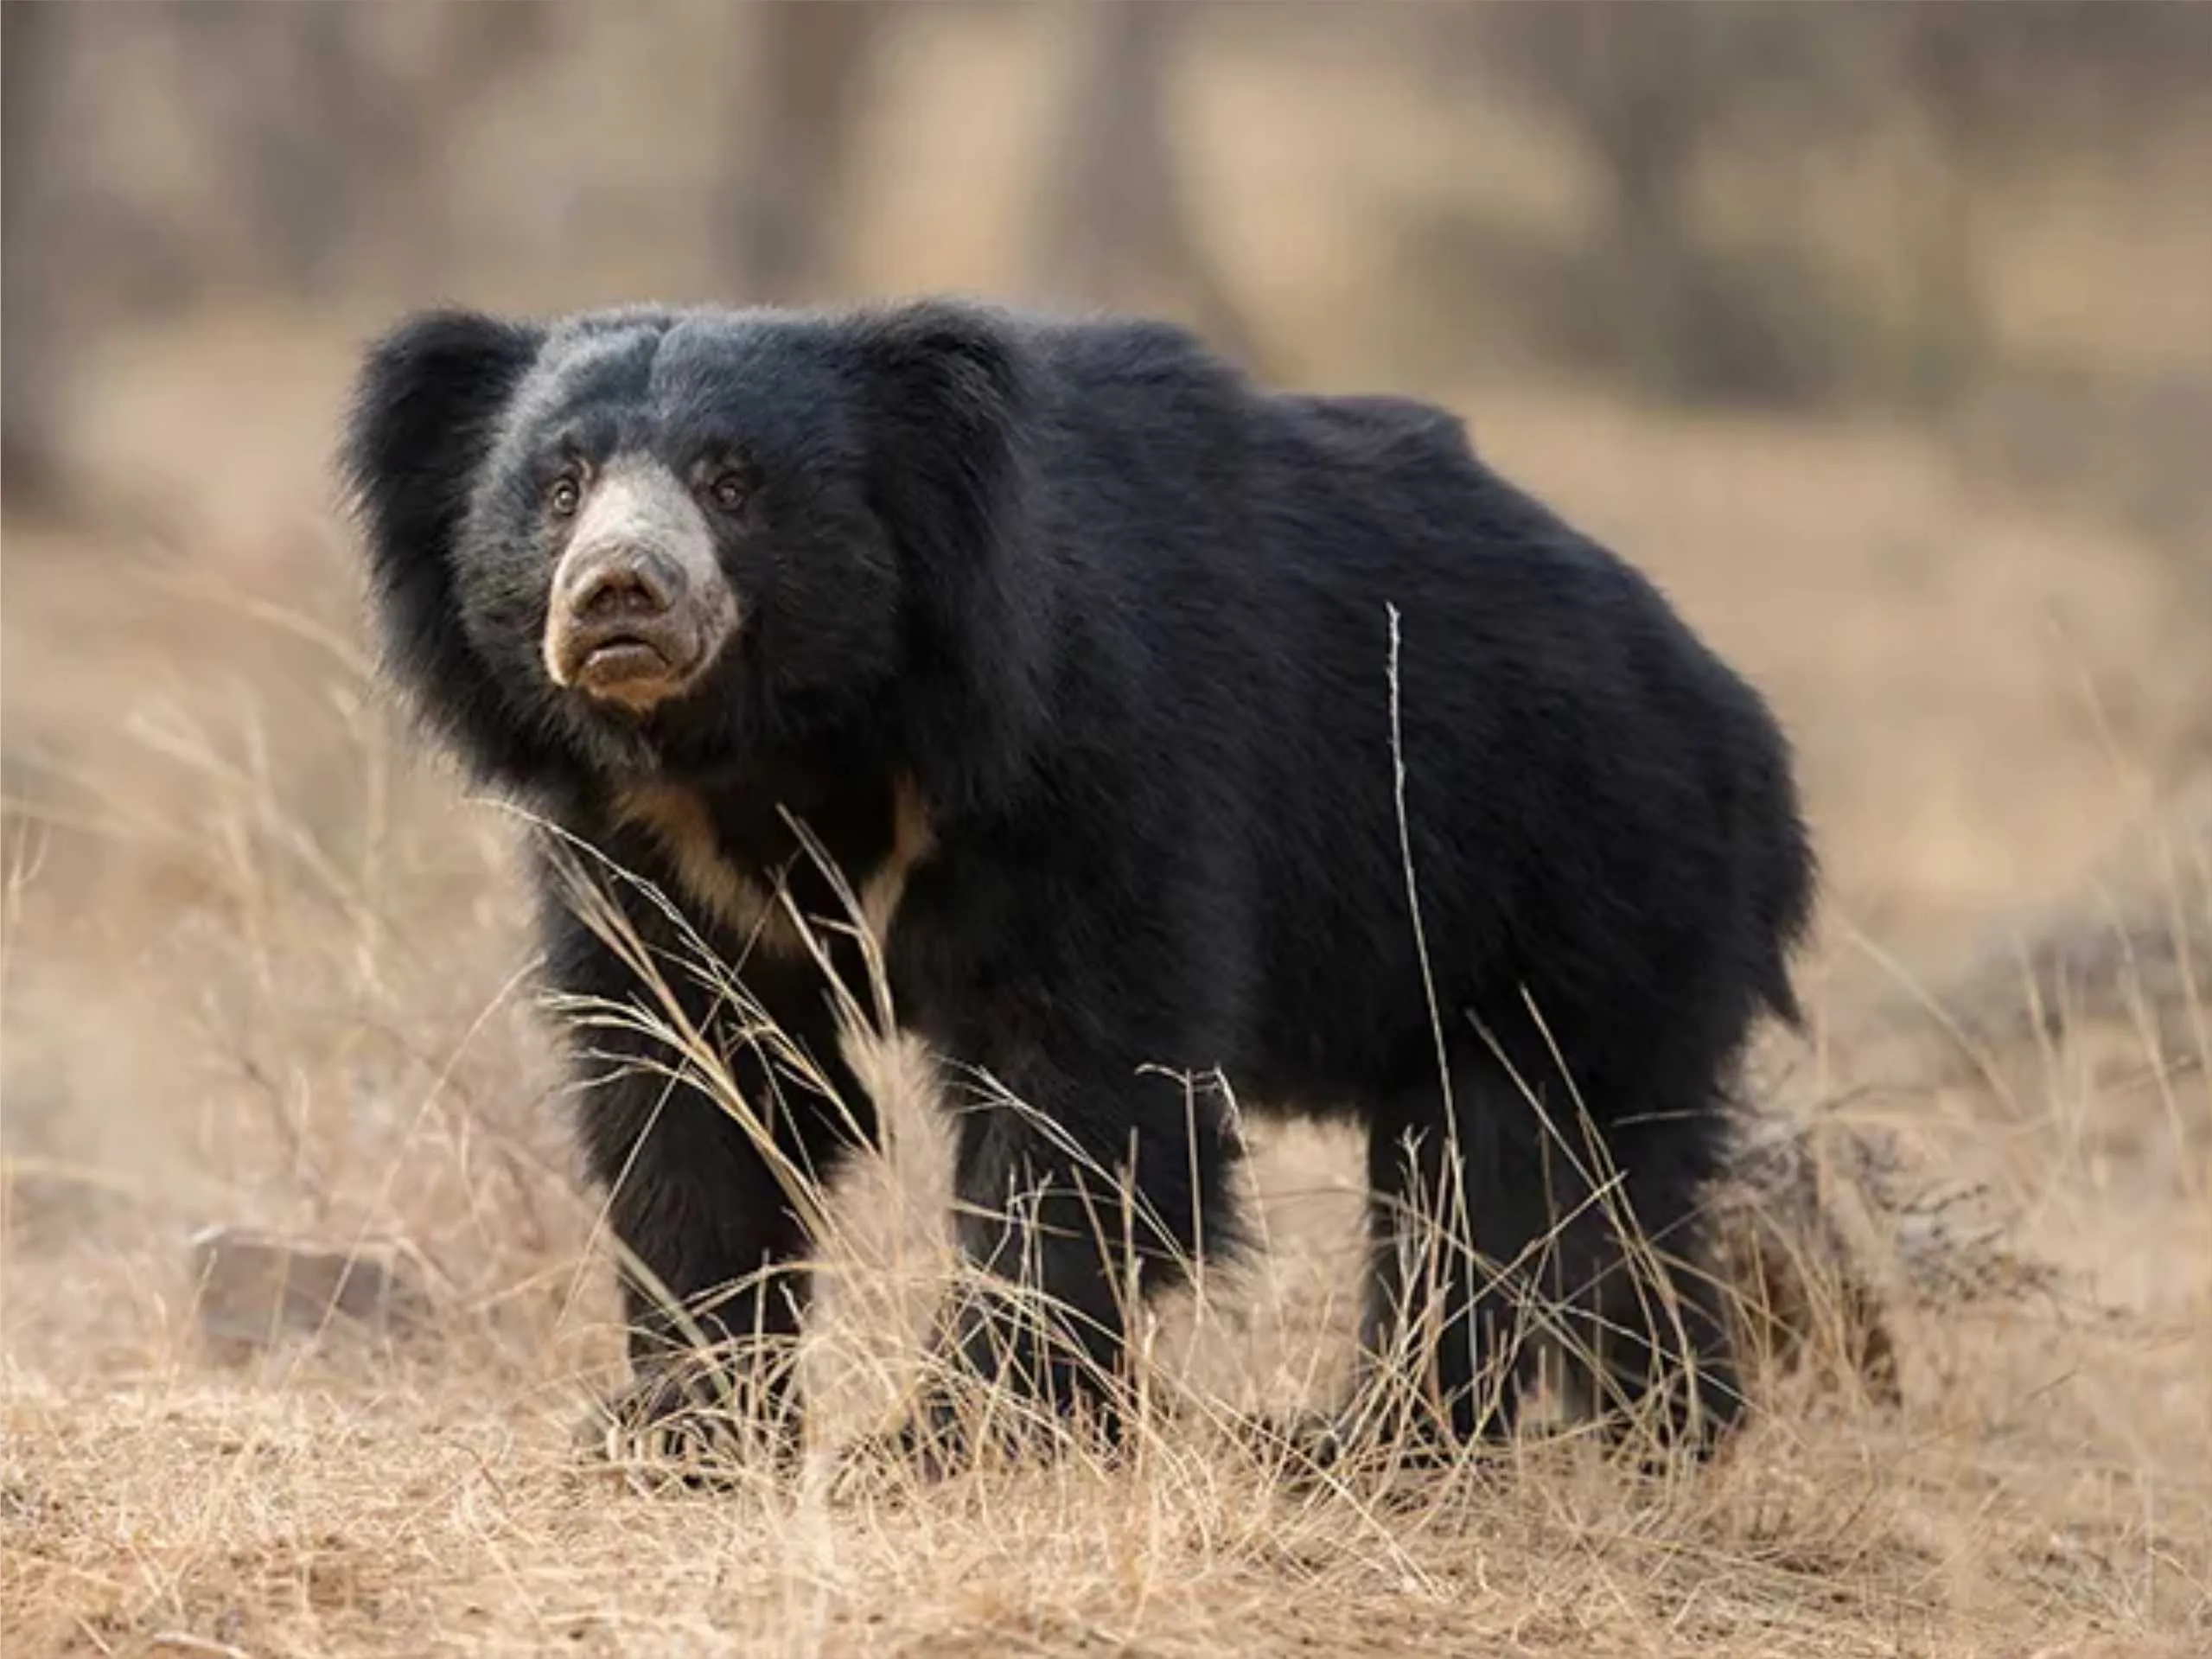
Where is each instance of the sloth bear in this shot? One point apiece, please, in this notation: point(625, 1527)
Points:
point(1162, 746)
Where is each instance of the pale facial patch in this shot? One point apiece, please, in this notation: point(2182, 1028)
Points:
point(638, 514)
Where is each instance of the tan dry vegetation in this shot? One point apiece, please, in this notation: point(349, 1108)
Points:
point(264, 968)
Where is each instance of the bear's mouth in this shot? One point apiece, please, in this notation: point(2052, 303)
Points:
point(635, 664)
point(624, 659)
point(634, 668)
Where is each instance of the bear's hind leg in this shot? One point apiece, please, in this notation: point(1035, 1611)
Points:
point(1650, 1311)
point(1442, 1336)
point(1521, 1238)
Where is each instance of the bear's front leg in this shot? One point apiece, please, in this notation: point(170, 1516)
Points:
point(715, 1178)
point(1083, 1187)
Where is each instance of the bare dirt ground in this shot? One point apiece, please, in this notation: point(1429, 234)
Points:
point(264, 967)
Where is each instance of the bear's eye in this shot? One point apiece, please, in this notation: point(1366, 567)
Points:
point(729, 489)
point(564, 497)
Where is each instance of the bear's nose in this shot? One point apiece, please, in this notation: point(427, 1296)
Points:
point(627, 585)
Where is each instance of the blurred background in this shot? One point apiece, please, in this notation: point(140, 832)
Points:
point(1880, 334)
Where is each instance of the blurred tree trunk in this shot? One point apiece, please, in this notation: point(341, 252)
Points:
point(1115, 229)
point(1633, 83)
point(794, 121)
point(31, 48)
point(297, 175)
point(337, 141)
point(307, 167)
point(1948, 69)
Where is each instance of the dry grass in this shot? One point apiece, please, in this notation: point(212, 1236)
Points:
point(261, 966)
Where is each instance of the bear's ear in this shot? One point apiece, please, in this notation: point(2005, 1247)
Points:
point(950, 393)
point(423, 413)
point(947, 389)
point(424, 409)
point(945, 347)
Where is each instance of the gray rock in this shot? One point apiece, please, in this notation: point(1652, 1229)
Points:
point(253, 1290)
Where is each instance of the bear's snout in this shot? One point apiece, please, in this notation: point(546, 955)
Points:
point(621, 626)
point(629, 584)
point(639, 607)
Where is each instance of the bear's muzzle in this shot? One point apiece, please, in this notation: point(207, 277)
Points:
point(640, 607)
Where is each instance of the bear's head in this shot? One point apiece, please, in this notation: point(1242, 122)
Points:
point(693, 542)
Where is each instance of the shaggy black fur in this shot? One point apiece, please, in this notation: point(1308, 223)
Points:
point(1114, 626)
